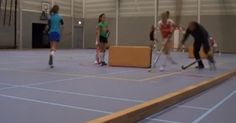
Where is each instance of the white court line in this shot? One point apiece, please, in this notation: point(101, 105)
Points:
point(214, 107)
point(55, 81)
point(72, 93)
point(78, 78)
point(165, 121)
point(170, 108)
point(127, 71)
point(21, 62)
point(1, 83)
point(81, 76)
point(192, 107)
point(200, 75)
point(88, 95)
point(97, 96)
point(181, 106)
point(6, 88)
point(55, 104)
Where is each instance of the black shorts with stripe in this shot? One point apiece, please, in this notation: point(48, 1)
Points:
point(103, 39)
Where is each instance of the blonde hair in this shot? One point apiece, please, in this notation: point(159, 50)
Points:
point(164, 15)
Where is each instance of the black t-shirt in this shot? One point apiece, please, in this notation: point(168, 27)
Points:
point(151, 35)
point(199, 34)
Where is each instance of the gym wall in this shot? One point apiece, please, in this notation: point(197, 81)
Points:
point(31, 11)
point(135, 19)
point(6, 30)
point(137, 16)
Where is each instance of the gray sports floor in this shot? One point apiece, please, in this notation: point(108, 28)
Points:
point(216, 105)
point(77, 90)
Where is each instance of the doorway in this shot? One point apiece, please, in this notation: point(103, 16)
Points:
point(39, 37)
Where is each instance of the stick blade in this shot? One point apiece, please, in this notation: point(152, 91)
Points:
point(183, 68)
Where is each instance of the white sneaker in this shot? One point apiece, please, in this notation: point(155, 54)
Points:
point(212, 65)
point(162, 68)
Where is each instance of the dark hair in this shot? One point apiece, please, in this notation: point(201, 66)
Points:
point(168, 13)
point(194, 23)
point(100, 17)
point(54, 9)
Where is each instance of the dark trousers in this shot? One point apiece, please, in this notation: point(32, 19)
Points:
point(197, 46)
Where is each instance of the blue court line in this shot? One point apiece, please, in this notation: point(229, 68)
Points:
point(214, 107)
point(55, 104)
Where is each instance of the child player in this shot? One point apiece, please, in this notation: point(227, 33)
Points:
point(55, 24)
point(102, 34)
point(166, 27)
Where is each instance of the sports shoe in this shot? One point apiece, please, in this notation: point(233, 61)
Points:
point(212, 65)
point(103, 64)
point(162, 68)
point(96, 62)
point(199, 67)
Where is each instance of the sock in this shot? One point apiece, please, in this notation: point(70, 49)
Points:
point(52, 52)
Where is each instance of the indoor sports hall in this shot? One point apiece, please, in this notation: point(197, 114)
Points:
point(117, 61)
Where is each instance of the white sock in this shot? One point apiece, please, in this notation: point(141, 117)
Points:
point(52, 52)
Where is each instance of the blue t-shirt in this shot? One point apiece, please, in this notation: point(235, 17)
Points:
point(55, 23)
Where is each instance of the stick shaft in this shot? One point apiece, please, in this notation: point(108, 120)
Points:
point(189, 65)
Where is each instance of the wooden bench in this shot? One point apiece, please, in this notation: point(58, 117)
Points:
point(130, 56)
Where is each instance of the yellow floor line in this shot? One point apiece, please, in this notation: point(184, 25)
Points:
point(166, 75)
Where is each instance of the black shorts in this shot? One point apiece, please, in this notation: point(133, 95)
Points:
point(103, 39)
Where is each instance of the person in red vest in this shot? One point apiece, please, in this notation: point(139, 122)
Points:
point(166, 27)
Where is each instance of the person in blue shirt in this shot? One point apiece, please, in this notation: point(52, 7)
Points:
point(55, 26)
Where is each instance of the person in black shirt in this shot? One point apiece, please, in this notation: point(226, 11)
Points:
point(152, 37)
point(201, 38)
